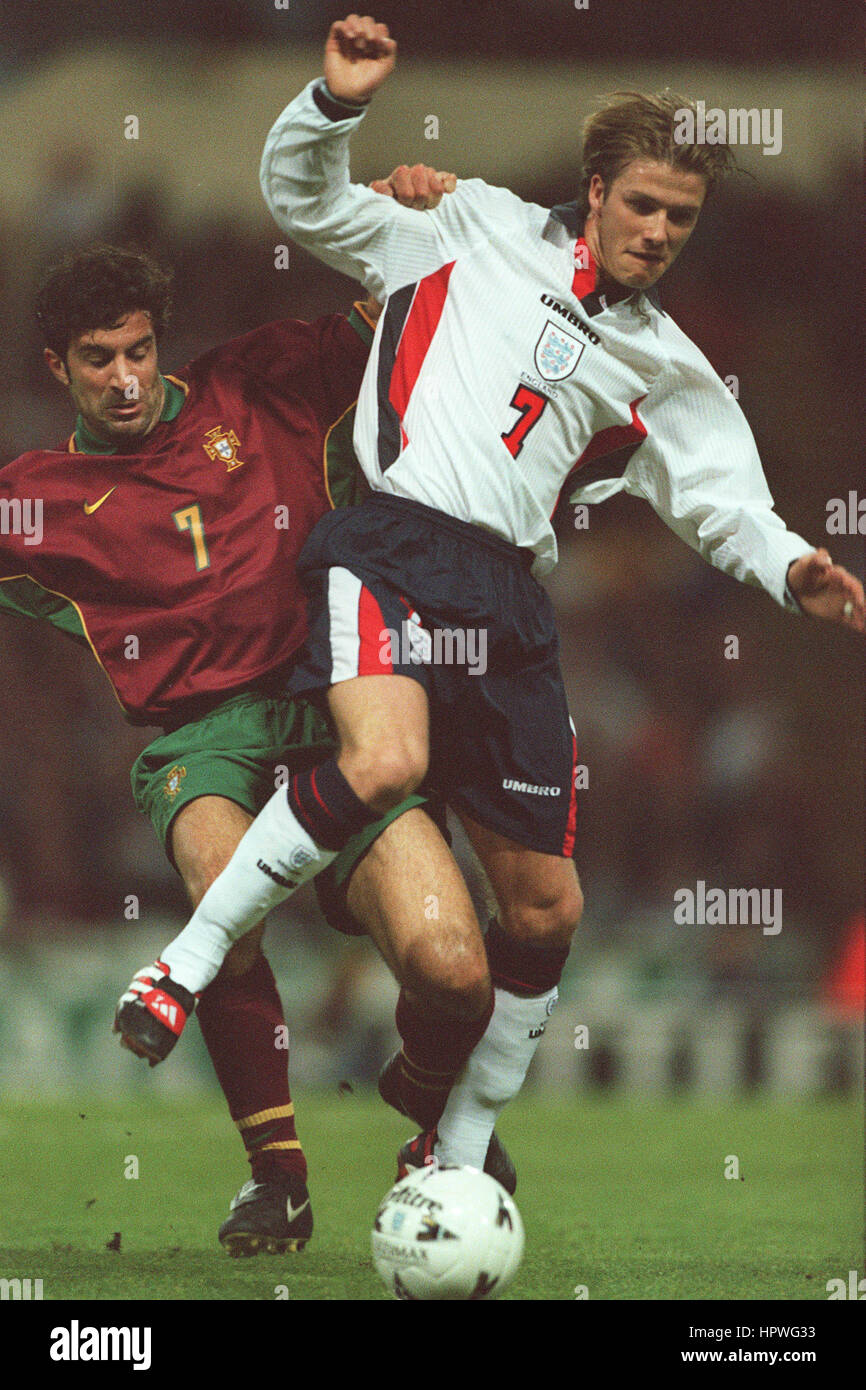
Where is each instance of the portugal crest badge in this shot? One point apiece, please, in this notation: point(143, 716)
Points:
point(557, 353)
point(173, 781)
point(223, 444)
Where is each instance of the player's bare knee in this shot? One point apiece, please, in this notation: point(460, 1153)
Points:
point(452, 975)
point(384, 777)
point(545, 919)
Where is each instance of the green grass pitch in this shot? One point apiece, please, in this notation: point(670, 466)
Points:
point(628, 1200)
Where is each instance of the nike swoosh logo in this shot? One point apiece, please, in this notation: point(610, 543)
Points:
point(293, 1212)
point(261, 1138)
point(91, 507)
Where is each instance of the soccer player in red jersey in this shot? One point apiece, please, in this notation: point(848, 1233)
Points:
point(174, 517)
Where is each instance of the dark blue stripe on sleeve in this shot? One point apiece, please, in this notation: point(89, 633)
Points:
point(396, 313)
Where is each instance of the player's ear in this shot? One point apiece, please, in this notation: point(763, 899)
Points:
point(596, 192)
point(56, 366)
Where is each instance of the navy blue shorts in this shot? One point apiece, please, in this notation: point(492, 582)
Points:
point(397, 588)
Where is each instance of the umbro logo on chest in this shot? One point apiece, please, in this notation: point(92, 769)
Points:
point(550, 303)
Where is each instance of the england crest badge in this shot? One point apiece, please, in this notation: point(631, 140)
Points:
point(557, 353)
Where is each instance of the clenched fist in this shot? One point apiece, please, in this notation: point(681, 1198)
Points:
point(359, 55)
point(419, 187)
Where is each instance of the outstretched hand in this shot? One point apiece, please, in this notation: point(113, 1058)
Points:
point(825, 590)
point(359, 55)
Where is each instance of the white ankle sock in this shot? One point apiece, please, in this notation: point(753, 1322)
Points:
point(275, 847)
point(493, 1075)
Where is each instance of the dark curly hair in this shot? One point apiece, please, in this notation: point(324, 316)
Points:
point(96, 288)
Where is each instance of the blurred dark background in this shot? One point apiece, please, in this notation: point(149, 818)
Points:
point(744, 31)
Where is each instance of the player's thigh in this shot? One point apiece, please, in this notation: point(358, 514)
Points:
point(539, 895)
point(204, 835)
point(410, 895)
point(382, 725)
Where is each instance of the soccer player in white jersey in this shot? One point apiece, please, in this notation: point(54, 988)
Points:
point(521, 352)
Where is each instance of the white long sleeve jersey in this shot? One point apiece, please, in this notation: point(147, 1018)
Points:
point(500, 381)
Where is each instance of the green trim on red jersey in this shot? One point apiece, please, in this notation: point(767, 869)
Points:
point(345, 483)
point(24, 598)
point(362, 325)
point(84, 442)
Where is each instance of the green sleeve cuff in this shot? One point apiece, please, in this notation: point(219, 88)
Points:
point(361, 325)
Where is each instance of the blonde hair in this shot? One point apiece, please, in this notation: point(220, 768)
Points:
point(637, 125)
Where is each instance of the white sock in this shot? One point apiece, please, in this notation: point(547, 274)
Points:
point(245, 891)
point(493, 1075)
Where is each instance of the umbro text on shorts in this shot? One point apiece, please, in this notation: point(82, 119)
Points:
point(398, 588)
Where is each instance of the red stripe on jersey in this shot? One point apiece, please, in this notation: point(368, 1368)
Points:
point(421, 324)
point(608, 442)
point(373, 633)
point(615, 437)
point(571, 824)
point(585, 270)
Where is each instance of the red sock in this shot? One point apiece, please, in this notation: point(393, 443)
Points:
point(243, 1025)
point(436, 1047)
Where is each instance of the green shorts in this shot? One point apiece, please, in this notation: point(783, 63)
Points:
point(244, 750)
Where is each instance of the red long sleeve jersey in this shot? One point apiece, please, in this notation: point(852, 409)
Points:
point(175, 560)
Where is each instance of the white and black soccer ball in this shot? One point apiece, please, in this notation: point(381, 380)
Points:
point(447, 1233)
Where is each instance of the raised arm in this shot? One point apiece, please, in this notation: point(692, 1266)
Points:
point(305, 171)
point(305, 181)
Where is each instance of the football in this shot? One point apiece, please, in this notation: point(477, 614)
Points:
point(447, 1233)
